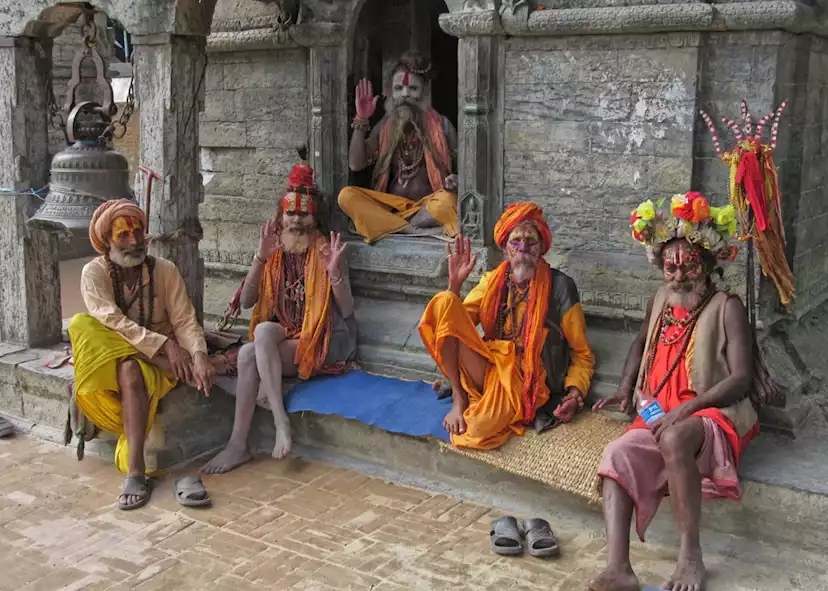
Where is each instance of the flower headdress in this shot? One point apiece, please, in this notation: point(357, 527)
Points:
point(691, 217)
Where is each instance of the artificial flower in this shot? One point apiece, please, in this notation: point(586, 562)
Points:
point(725, 219)
point(640, 225)
point(701, 209)
point(681, 207)
point(647, 210)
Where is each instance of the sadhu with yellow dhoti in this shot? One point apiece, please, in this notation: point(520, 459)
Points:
point(303, 316)
point(139, 337)
point(412, 150)
point(533, 365)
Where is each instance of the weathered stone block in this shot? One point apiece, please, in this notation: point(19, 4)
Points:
point(290, 131)
point(272, 104)
point(669, 174)
point(220, 105)
point(285, 69)
point(214, 134)
point(654, 65)
point(611, 101)
point(559, 136)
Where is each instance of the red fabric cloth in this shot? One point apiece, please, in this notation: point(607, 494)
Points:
point(677, 390)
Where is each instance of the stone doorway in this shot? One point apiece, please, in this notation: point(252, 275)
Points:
point(387, 28)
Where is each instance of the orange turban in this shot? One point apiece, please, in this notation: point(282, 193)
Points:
point(100, 229)
point(518, 213)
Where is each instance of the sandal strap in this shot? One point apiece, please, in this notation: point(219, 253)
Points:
point(135, 486)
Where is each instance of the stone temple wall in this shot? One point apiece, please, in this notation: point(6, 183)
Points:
point(255, 115)
point(592, 127)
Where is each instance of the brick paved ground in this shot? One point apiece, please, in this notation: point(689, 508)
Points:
point(289, 525)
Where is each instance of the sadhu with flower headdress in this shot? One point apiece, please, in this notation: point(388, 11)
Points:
point(695, 376)
point(533, 365)
point(303, 314)
point(138, 339)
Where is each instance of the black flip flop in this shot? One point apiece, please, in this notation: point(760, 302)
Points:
point(540, 541)
point(505, 537)
point(190, 492)
point(6, 428)
point(139, 486)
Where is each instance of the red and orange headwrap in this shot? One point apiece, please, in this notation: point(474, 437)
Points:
point(300, 196)
point(518, 213)
point(100, 229)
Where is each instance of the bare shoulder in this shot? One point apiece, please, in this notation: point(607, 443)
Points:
point(735, 312)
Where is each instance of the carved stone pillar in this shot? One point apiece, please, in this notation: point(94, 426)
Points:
point(328, 106)
point(169, 86)
point(29, 275)
point(480, 194)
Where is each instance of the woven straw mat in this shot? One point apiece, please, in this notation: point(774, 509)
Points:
point(565, 458)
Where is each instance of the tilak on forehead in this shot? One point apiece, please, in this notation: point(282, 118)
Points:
point(301, 189)
point(126, 224)
point(683, 254)
point(405, 79)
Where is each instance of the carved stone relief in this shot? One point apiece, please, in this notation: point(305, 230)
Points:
point(471, 215)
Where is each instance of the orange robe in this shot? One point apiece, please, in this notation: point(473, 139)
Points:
point(500, 408)
point(377, 214)
point(315, 334)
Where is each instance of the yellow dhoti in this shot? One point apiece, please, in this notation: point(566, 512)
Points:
point(376, 214)
point(495, 413)
point(97, 350)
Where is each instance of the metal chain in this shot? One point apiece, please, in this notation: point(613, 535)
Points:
point(55, 118)
point(118, 128)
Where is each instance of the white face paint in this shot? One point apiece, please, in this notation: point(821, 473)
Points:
point(407, 86)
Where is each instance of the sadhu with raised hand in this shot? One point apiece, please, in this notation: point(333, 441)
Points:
point(533, 365)
point(303, 314)
point(138, 339)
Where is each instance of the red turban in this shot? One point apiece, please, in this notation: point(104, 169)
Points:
point(301, 190)
point(100, 229)
point(518, 213)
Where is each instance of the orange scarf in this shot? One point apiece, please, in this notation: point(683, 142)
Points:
point(534, 331)
point(315, 335)
point(437, 154)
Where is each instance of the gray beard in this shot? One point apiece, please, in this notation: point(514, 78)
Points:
point(127, 259)
point(522, 273)
point(689, 300)
point(296, 241)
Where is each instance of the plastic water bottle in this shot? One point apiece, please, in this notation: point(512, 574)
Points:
point(648, 408)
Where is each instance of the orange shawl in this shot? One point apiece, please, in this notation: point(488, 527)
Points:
point(437, 154)
point(315, 335)
point(534, 331)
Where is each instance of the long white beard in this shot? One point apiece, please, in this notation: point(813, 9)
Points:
point(296, 241)
point(127, 259)
point(689, 300)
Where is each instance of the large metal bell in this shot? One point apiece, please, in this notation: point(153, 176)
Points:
point(83, 176)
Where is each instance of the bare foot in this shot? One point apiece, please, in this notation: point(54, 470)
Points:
point(229, 458)
point(689, 574)
point(454, 421)
point(615, 579)
point(283, 443)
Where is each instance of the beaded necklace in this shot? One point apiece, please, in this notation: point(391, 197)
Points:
point(689, 324)
point(294, 290)
point(409, 158)
point(513, 296)
point(118, 288)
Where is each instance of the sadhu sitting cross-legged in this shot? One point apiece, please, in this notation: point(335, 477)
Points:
point(534, 354)
point(140, 336)
point(695, 376)
point(303, 320)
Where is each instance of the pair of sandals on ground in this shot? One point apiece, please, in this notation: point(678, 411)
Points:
point(507, 537)
point(189, 492)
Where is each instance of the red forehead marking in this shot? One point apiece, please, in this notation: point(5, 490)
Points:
point(405, 79)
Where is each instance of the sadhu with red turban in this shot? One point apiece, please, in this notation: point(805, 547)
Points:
point(533, 365)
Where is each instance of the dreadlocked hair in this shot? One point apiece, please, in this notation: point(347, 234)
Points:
point(118, 288)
